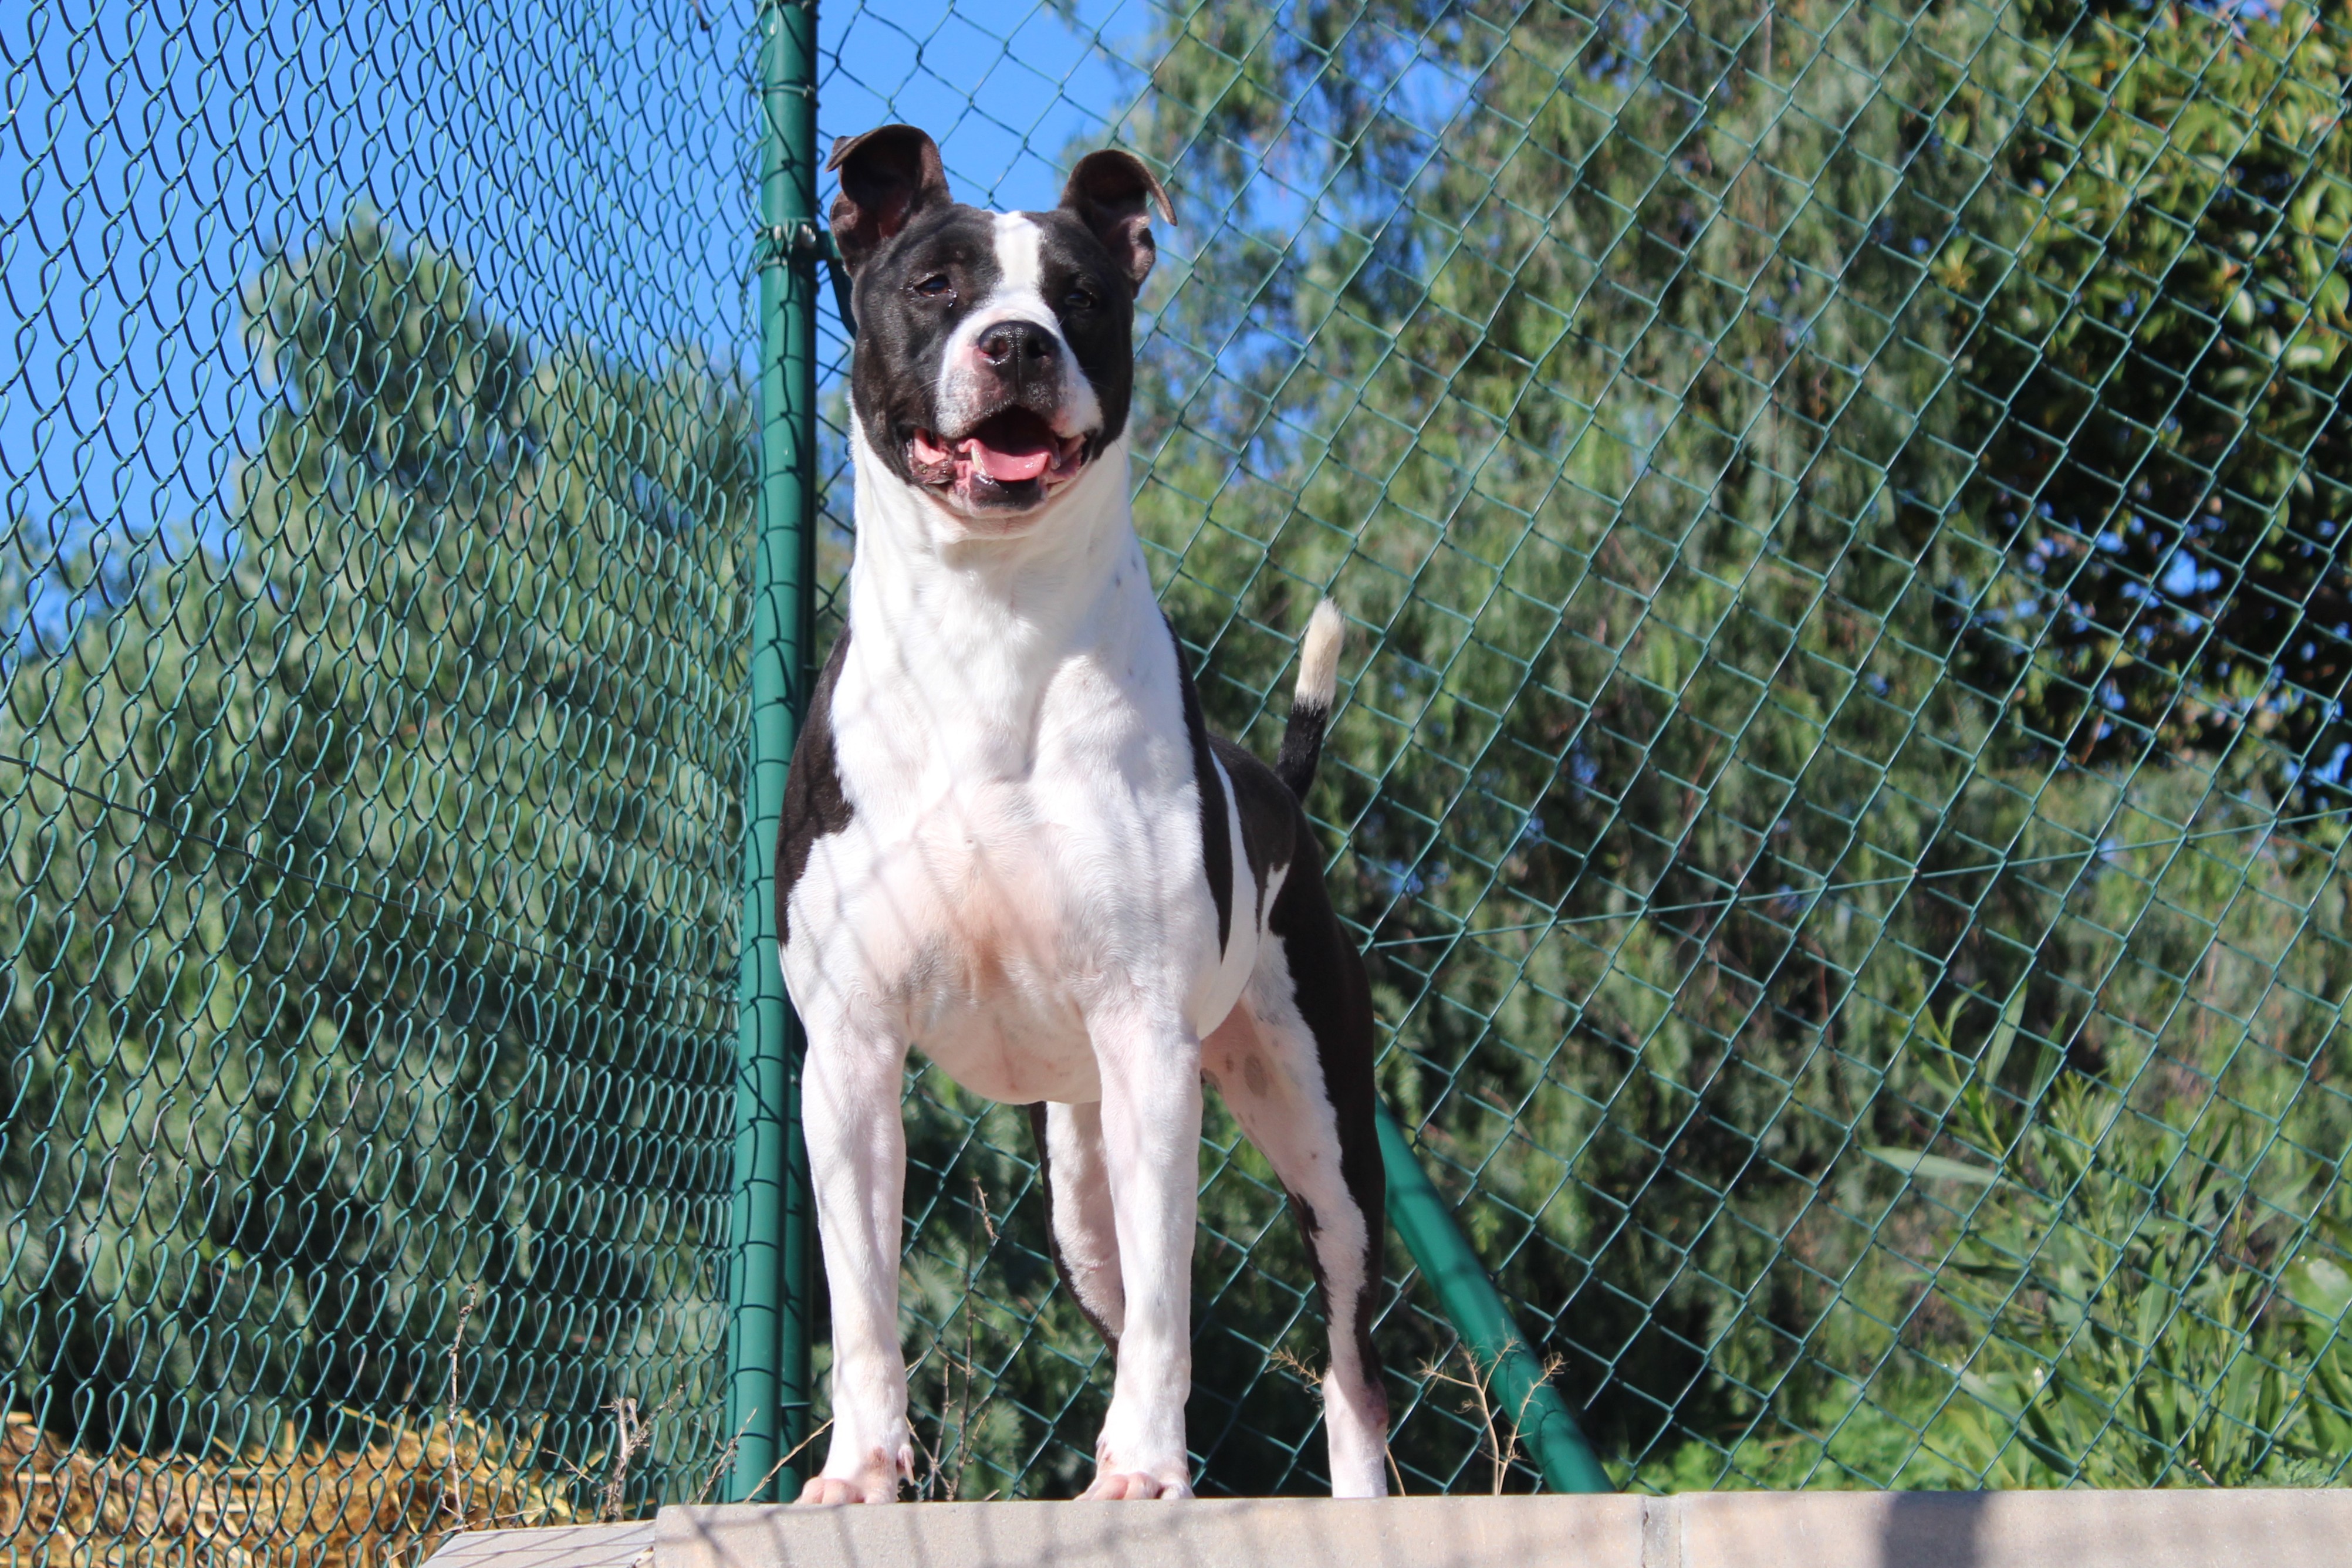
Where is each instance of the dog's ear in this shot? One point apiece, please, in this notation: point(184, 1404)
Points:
point(888, 175)
point(1115, 196)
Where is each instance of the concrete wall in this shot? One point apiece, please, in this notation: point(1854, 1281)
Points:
point(1721, 1530)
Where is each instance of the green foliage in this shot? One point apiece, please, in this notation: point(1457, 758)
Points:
point(2167, 475)
point(1729, 790)
point(1605, 453)
point(2151, 1303)
point(1840, 780)
point(374, 860)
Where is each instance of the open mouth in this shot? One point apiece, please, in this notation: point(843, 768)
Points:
point(1008, 450)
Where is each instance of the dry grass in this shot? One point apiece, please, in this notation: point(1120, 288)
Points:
point(389, 1503)
point(1503, 1449)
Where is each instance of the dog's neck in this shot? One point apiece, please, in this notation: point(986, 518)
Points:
point(971, 630)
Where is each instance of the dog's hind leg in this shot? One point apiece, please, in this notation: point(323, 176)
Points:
point(1264, 1060)
point(1078, 1212)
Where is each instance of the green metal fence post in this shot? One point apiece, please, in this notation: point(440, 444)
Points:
point(1476, 1309)
point(769, 1288)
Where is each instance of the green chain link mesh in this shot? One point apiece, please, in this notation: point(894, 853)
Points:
point(376, 445)
point(1841, 774)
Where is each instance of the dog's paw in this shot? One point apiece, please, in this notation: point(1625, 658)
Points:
point(875, 1480)
point(1134, 1486)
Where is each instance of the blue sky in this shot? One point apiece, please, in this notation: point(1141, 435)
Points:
point(591, 161)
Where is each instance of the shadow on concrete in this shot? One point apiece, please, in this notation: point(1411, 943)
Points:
point(1934, 1529)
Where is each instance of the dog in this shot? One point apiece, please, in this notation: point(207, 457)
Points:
point(1009, 840)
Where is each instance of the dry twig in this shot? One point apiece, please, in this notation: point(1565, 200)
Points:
point(956, 1412)
point(449, 1502)
point(726, 1460)
point(628, 1437)
point(788, 1458)
point(1504, 1451)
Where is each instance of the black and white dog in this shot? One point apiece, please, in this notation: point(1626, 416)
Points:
point(1009, 839)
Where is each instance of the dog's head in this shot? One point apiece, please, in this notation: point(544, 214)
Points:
point(995, 351)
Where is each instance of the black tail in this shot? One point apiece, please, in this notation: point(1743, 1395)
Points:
point(1310, 704)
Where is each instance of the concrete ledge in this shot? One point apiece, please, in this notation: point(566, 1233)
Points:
point(1301, 1532)
point(557, 1546)
point(1719, 1529)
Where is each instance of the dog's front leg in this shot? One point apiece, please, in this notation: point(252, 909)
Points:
point(1151, 1140)
point(857, 1163)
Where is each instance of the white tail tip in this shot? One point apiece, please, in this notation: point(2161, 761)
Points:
point(1318, 656)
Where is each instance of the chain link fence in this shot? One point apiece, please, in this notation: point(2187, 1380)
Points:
point(1841, 771)
point(1841, 774)
point(375, 432)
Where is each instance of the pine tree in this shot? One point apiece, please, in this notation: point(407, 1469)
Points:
point(378, 855)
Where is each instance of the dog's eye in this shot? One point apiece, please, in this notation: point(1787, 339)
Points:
point(935, 286)
point(1078, 299)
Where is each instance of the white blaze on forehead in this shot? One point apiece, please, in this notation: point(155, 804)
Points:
point(1019, 296)
point(1018, 242)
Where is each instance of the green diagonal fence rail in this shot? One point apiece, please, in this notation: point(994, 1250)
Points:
point(1841, 773)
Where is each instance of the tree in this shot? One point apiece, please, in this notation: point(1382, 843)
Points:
point(378, 858)
point(1632, 379)
point(2161, 372)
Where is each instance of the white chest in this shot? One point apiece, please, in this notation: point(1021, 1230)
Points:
point(1014, 862)
point(1023, 849)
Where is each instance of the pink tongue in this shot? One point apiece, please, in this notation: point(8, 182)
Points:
point(1010, 467)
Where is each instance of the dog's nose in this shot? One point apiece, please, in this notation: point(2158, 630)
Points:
point(1011, 344)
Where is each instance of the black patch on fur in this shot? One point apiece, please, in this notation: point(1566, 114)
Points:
point(1053, 1238)
point(1216, 836)
point(814, 807)
point(1269, 815)
point(1114, 194)
point(1302, 746)
point(1335, 1000)
point(903, 333)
